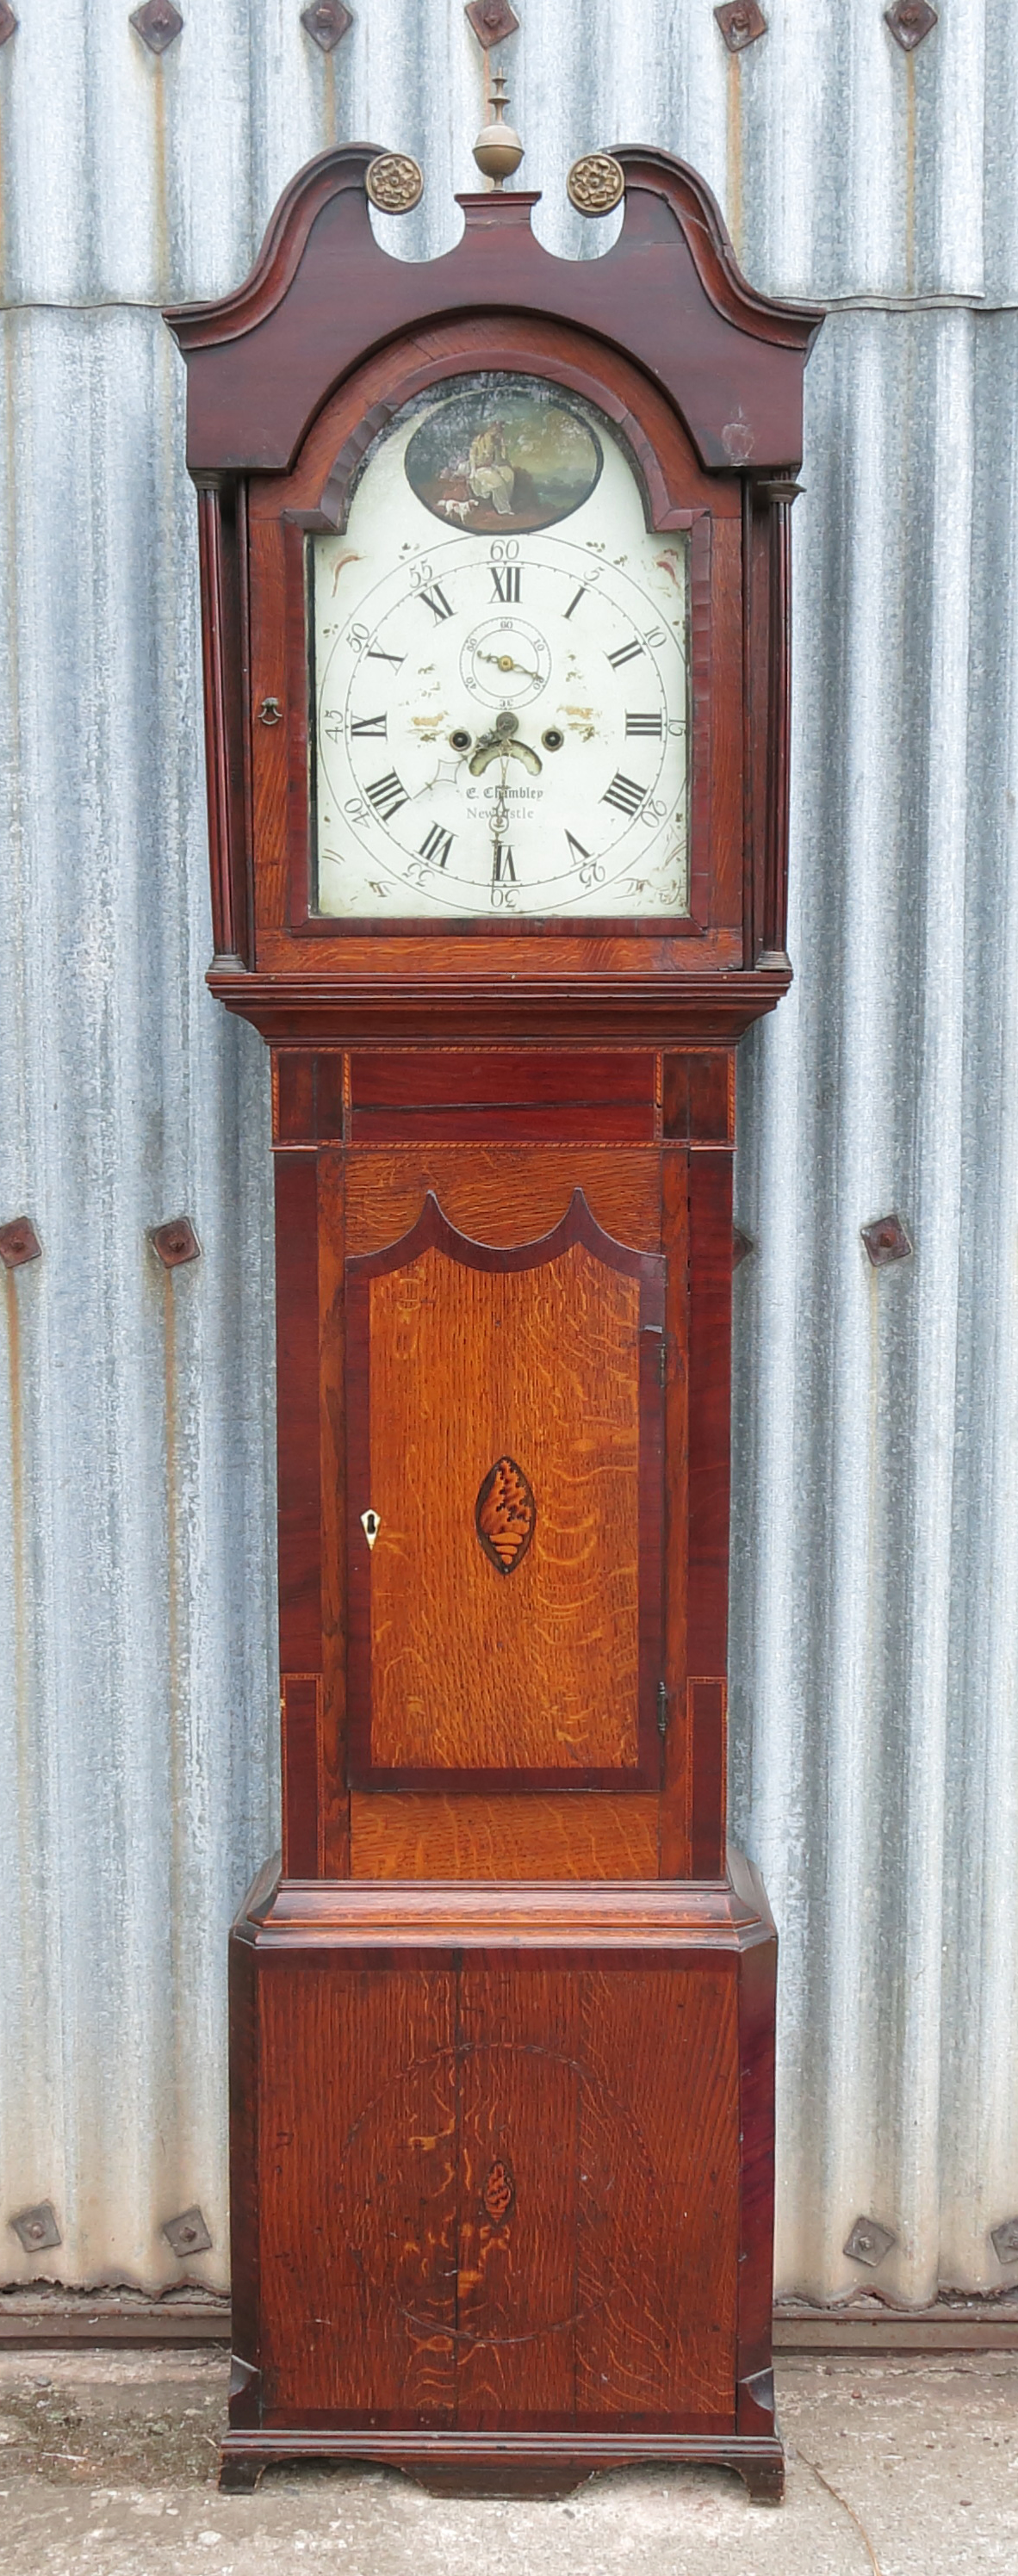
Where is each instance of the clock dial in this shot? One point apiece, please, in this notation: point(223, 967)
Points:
point(501, 672)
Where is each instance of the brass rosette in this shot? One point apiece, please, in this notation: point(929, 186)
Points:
point(596, 183)
point(394, 182)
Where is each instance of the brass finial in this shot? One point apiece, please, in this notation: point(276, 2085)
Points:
point(498, 151)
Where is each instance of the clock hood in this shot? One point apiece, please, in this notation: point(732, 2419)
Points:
point(669, 293)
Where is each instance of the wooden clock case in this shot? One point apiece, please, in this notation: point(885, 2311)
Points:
point(502, 2021)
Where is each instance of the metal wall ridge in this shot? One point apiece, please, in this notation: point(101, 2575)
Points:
point(828, 304)
point(917, 304)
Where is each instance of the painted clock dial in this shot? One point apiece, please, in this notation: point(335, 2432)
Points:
point(500, 671)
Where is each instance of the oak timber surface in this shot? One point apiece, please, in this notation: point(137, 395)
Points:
point(539, 1667)
point(414, 1835)
point(358, 2285)
point(428, 2259)
point(503, 1193)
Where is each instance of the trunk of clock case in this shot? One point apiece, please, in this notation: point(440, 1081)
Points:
point(653, 1158)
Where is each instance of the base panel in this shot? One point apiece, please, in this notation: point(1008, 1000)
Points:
point(501, 2180)
point(522, 2464)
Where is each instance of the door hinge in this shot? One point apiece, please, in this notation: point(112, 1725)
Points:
point(662, 1709)
point(662, 1360)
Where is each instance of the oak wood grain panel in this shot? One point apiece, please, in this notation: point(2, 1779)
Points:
point(293, 1096)
point(299, 1701)
point(657, 2238)
point(628, 1122)
point(500, 1077)
point(708, 1730)
point(710, 1202)
point(297, 1431)
point(307, 1096)
point(712, 1098)
point(564, 1915)
point(508, 1194)
point(415, 2228)
point(334, 1801)
point(677, 1781)
point(675, 1064)
point(330, 1095)
point(576, 1835)
point(550, 956)
point(710, 1334)
point(538, 1669)
point(358, 2157)
point(699, 1096)
point(516, 2289)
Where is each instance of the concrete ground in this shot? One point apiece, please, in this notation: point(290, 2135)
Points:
point(903, 2467)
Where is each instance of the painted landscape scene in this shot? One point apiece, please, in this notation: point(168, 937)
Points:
point(505, 456)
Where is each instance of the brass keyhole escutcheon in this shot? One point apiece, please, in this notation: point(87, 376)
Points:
point(370, 1525)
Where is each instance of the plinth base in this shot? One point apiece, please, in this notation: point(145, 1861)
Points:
point(501, 2180)
point(523, 2464)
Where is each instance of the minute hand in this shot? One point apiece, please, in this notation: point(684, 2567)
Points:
point(504, 662)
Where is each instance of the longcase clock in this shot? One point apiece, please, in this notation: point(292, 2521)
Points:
point(495, 599)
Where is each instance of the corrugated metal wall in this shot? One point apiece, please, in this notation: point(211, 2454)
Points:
point(875, 1707)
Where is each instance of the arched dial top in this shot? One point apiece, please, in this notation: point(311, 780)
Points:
point(501, 670)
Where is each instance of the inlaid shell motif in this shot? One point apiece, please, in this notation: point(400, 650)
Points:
point(505, 1514)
